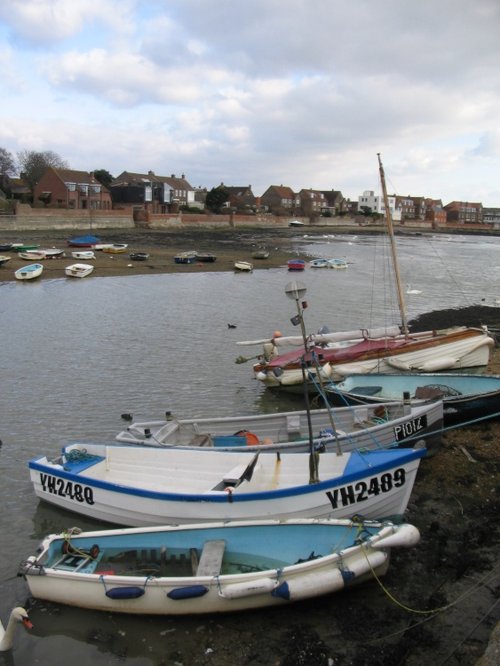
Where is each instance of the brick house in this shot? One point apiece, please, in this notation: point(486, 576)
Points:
point(280, 199)
point(312, 202)
point(241, 198)
point(463, 212)
point(434, 212)
point(335, 202)
point(67, 188)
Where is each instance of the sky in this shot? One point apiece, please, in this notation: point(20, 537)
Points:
point(302, 93)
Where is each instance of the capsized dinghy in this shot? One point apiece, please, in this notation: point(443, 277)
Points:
point(221, 567)
point(141, 485)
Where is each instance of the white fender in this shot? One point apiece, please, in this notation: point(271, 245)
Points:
point(406, 536)
point(325, 581)
point(238, 590)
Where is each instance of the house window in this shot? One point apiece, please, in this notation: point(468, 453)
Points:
point(71, 187)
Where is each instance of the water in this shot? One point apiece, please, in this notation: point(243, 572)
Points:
point(77, 354)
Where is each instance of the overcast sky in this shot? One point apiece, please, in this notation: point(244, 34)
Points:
point(261, 92)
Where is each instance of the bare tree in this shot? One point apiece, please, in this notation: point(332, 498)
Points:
point(7, 164)
point(33, 164)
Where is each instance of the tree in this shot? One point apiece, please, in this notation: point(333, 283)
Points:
point(103, 176)
point(216, 198)
point(33, 164)
point(7, 164)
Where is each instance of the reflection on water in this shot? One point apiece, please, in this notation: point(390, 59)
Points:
point(78, 354)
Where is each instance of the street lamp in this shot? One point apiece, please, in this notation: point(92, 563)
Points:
point(296, 291)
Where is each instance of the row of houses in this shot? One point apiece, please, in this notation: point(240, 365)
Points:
point(71, 189)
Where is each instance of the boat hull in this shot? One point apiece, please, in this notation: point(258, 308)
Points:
point(215, 568)
point(30, 272)
point(140, 486)
point(466, 398)
point(455, 349)
point(346, 428)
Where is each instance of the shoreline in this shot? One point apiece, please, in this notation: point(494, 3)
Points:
point(162, 246)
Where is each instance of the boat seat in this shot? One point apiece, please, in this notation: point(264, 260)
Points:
point(202, 439)
point(293, 424)
point(211, 558)
point(366, 390)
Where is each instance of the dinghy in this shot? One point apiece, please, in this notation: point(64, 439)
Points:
point(139, 485)
point(215, 568)
point(79, 270)
point(29, 272)
point(385, 425)
point(465, 397)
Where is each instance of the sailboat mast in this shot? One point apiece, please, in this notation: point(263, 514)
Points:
point(388, 217)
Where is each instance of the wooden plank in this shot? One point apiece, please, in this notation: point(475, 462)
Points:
point(211, 558)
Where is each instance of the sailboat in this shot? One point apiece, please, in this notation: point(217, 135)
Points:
point(332, 356)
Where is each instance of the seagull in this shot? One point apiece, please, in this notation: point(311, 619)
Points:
point(231, 325)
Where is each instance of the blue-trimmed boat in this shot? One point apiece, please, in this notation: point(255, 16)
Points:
point(465, 398)
point(220, 567)
point(140, 486)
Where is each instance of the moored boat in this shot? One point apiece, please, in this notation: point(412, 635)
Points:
point(139, 256)
point(465, 398)
point(4, 259)
point(78, 270)
point(337, 263)
point(206, 257)
point(243, 266)
point(113, 248)
point(391, 424)
point(140, 485)
point(83, 254)
point(186, 257)
point(296, 264)
point(218, 567)
point(29, 272)
point(84, 241)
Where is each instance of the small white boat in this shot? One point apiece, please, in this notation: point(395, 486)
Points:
point(79, 270)
point(4, 259)
point(318, 263)
point(337, 263)
point(29, 272)
point(114, 248)
point(31, 255)
point(215, 568)
point(87, 255)
point(141, 485)
point(243, 266)
point(346, 428)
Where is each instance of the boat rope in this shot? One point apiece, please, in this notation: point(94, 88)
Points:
point(69, 548)
point(433, 611)
point(78, 455)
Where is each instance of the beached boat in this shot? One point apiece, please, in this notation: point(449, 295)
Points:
point(29, 272)
point(5, 247)
point(338, 264)
point(185, 257)
point(140, 485)
point(23, 247)
point(79, 270)
point(214, 568)
point(260, 254)
point(31, 255)
point(318, 263)
point(344, 428)
point(206, 257)
point(113, 248)
point(139, 256)
point(465, 398)
point(390, 350)
point(83, 254)
point(4, 259)
point(84, 241)
point(243, 266)
point(296, 264)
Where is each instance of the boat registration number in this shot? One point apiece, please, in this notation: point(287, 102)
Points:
point(62, 488)
point(404, 430)
point(364, 490)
